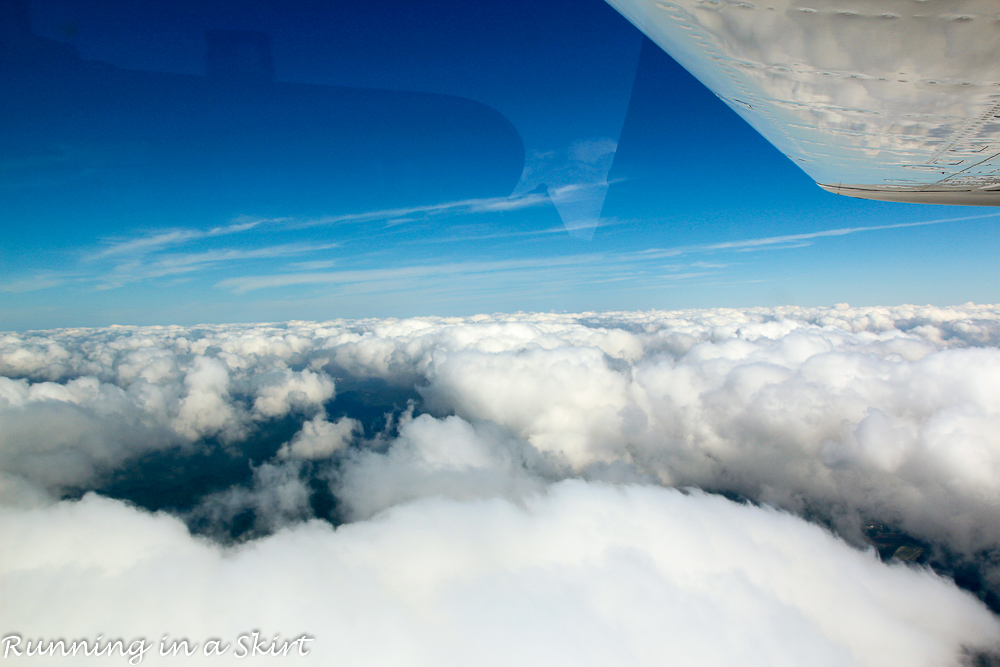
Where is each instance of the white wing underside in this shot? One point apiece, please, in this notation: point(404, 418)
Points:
point(882, 99)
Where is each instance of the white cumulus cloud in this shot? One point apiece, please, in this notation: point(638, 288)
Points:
point(515, 476)
point(585, 574)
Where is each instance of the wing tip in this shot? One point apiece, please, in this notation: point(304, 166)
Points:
point(942, 196)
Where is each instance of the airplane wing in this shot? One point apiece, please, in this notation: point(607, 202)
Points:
point(897, 100)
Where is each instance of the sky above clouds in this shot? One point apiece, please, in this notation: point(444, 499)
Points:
point(448, 159)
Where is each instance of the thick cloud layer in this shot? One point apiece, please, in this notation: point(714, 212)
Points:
point(584, 575)
point(880, 423)
point(86, 401)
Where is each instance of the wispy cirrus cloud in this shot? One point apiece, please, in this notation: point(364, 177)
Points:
point(37, 282)
point(174, 237)
point(413, 213)
point(180, 263)
point(146, 257)
point(569, 192)
point(157, 256)
point(795, 240)
point(145, 260)
point(526, 275)
point(568, 271)
point(245, 284)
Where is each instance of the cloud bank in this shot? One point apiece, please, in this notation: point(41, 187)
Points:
point(515, 488)
point(586, 574)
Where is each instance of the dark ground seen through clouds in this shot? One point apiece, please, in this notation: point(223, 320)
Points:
point(175, 480)
point(880, 424)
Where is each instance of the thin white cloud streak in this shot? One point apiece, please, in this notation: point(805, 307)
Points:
point(180, 263)
point(481, 205)
point(244, 284)
point(574, 271)
point(148, 244)
point(134, 264)
point(603, 268)
point(797, 240)
point(156, 242)
point(37, 282)
point(457, 207)
point(549, 231)
point(314, 265)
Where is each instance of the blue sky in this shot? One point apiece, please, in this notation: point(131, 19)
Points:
point(430, 158)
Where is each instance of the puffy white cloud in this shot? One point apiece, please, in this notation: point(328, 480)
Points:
point(63, 435)
point(585, 574)
point(205, 408)
point(278, 496)
point(439, 457)
point(873, 410)
point(78, 403)
point(856, 418)
point(320, 438)
point(283, 391)
point(567, 400)
point(845, 415)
